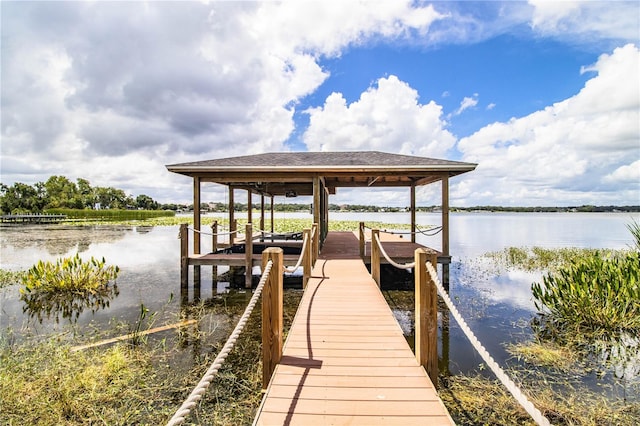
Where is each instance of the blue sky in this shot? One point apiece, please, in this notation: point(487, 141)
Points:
point(543, 95)
point(509, 76)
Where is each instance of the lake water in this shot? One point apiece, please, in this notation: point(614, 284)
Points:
point(497, 305)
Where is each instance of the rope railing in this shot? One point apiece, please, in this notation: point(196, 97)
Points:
point(386, 256)
point(185, 409)
point(436, 230)
point(218, 234)
point(292, 269)
point(522, 399)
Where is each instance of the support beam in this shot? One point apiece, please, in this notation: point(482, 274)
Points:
point(445, 215)
point(272, 215)
point(413, 212)
point(262, 213)
point(196, 214)
point(249, 207)
point(317, 207)
point(232, 218)
point(248, 255)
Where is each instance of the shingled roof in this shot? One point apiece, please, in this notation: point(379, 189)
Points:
point(277, 172)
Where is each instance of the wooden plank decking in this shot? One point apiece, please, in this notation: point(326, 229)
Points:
point(345, 360)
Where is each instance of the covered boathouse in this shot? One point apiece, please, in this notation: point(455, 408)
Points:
point(320, 174)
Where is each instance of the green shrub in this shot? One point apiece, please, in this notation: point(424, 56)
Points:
point(594, 294)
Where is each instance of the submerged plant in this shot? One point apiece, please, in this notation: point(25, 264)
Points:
point(598, 295)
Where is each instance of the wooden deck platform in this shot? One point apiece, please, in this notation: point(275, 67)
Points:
point(345, 360)
point(338, 245)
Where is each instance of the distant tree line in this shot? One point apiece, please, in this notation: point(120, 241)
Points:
point(59, 192)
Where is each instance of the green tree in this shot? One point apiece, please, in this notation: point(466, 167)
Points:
point(62, 193)
point(19, 198)
point(86, 193)
point(112, 198)
point(145, 202)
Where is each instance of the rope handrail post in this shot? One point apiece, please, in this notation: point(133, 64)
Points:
point(214, 236)
point(248, 255)
point(272, 296)
point(315, 234)
point(426, 314)
point(233, 227)
point(375, 256)
point(362, 239)
point(184, 254)
point(307, 257)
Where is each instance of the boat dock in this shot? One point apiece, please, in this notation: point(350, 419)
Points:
point(345, 359)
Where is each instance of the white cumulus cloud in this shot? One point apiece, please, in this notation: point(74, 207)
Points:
point(583, 148)
point(387, 117)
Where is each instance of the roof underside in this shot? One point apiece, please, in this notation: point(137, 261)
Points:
point(293, 172)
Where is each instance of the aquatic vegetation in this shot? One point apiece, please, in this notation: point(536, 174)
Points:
point(545, 354)
point(540, 258)
point(476, 400)
point(67, 287)
point(71, 275)
point(8, 278)
point(598, 295)
point(46, 384)
point(634, 228)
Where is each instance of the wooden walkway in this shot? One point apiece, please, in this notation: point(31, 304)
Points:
point(345, 360)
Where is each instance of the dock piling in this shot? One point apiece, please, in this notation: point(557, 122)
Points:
point(272, 318)
point(426, 315)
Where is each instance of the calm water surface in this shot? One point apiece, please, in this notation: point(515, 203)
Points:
point(498, 305)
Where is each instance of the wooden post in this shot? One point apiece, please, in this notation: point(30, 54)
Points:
point(307, 257)
point(249, 207)
point(214, 248)
point(316, 202)
point(232, 219)
point(362, 241)
point(261, 216)
point(445, 231)
point(233, 226)
point(196, 215)
point(426, 315)
point(248, 256)
point(413, 212)
point(271, 314)
point(272, 209)
point(315, 230)
point(445, 215)
point(184, 254)
point(375, 257)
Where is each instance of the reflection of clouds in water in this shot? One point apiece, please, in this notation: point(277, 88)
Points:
point(496, 285)
point(514, 288)
point(121, 246)
point(135, 249)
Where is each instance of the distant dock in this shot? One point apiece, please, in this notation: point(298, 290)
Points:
point(32, 218)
